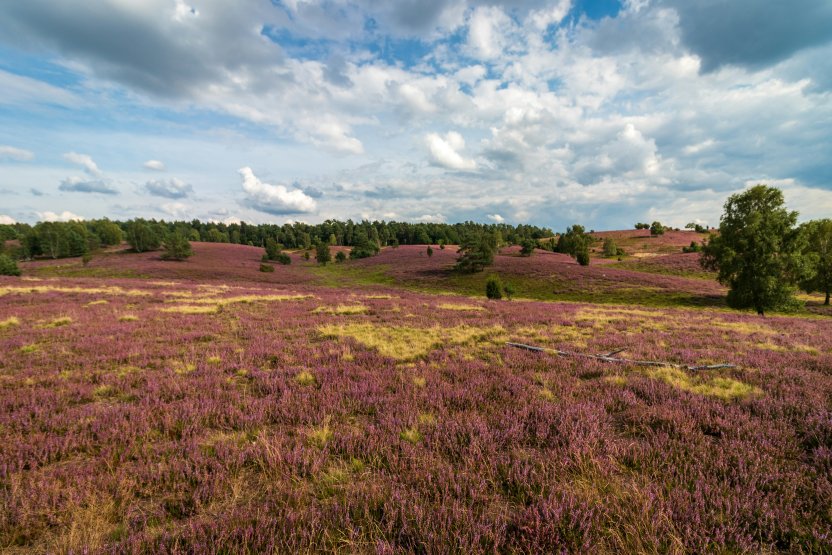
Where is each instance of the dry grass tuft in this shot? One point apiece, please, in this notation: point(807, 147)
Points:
point(9, 322)
point(305, 378)
point(406, 343)
point(342, 309)
point(721, 388)
point(59, 322)
point(460, 307)
point(411, 435)
point(191, 309)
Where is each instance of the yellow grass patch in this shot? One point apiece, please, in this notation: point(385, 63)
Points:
point(320, 435)
point(9, 322)
point(98, 302)
point(114, 290)
point(182, 368)
point(746, 328)
point(427, 419)
point(214, 360)
point(378, 296)
point(58, 322)
point(128, 318)
point(405, 343)
point(617, 380)
point(31, 348)
point(612, 314)
point(411, 435)
point(722, 388)
point(249, 299)
point(191, 309)
point(88, 527)
point(797, 347)
point(460, 307)
point(342, 309)
point(305, 378)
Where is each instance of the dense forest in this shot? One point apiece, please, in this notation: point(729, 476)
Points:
point(63, 239)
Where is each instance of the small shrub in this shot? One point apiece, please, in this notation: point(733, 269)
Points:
point(266, 267)
point(694, 247)
point(509, 290)
point(283, 258)
point(610, 248)
point(8, 266)
point(340, 256)
point(527, 247)
point(494, 288)
point(86, 258)
point(582, 257)
point(429, 251)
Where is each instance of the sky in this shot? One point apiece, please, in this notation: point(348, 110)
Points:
point(597, 112)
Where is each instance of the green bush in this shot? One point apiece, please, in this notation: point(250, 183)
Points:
point(494, 288)
point(266, 267)
point(340, 257)
point(582, 257)
point(177, 247)
point(8, 266)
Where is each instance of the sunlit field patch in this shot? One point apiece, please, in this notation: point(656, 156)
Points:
point(114, 290)
point(406, 343)
point(9, 322)
point(59, 322)
point(460, 307)
point(720, 387)
point(342, 309)
point(191, 309)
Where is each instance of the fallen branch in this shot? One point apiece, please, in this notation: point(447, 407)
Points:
point(610, 357)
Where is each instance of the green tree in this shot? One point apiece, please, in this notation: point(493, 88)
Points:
point(142, 236)
point(476, 252)
point(429, 251)
point(641, 225)
point(758, 251)
point(322, 254)
point(8, 266)
point(494, 288)
point(656, 228)
point(818, 236)
point(574, 242)
point(177, 247)
point(527, 247)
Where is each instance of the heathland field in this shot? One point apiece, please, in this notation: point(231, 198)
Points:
point(374, 407)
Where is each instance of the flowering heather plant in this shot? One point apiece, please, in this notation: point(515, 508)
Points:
point(268, 424)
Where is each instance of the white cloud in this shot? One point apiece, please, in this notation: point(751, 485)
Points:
point(496, 218)
point(80, 185)
point(274, 199)
point(16, 154)
point(64, 216)
point(177, 210)
point(85, 161)
point(489, 32)
point(6, 220)
point(155, 165)
point(169, 188)
point(443, 151)
point(430, 219)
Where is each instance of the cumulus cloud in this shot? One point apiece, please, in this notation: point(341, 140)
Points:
point(177, 210)
point(16, 154)
point(65, 216)
point(443, 151)
point(496, 218)
point(81, 185)
point(85, 161)
point(169, 188)
point(155, 165)
point(274, 199)
point(6, 220)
